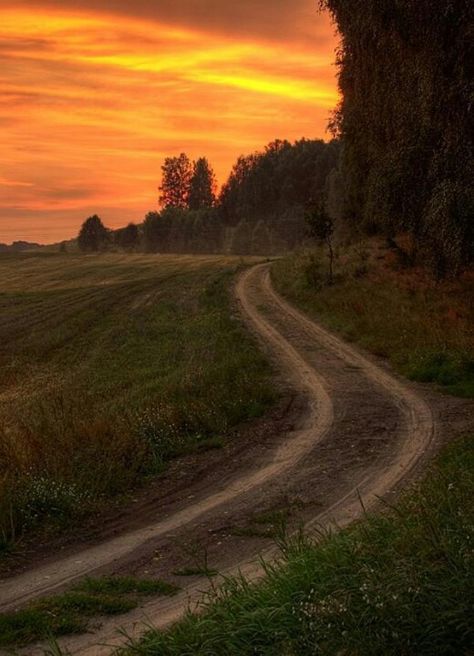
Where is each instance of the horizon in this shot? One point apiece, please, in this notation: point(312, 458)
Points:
point(95, 100)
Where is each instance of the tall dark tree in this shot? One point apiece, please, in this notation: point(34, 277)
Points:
point(406, 121)
point(176, 178)
point(202, 186)
point(93, 235)
point(128, 237)
point(277, 186)
point(321, 228)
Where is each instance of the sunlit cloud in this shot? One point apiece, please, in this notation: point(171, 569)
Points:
point(91, 104)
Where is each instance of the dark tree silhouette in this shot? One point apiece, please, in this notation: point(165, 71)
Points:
point(406, 121)
point(128, 237)
point(202, 186)
point(93, 235)
point(321, 228)
point(261, 208)
point(176, 177)
point(281, 180)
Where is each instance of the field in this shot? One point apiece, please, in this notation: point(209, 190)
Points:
point(110, 365)
point(424, 327)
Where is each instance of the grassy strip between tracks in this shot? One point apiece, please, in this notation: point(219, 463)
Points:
point(424, 327)
point(398, 583)
point(72, 612)
point(110, 365)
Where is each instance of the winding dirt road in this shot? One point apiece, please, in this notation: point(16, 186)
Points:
point(361, 434)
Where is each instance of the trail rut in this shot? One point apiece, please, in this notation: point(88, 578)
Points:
point(362, 435)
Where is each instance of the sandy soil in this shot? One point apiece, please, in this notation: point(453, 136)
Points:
point(347, 429)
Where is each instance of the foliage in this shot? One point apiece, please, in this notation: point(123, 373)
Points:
point(321, 228)
point(396, 583)
point(261, 208)
point(127, 238)
point(176, 177)
point(175, 230)
point(273, 189)
point(93, 235)
point(202, 186)
point(405, 119)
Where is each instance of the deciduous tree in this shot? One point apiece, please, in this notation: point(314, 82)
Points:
point(176, 178)
point(128, 237)
point(93, 235)
point(406, 121)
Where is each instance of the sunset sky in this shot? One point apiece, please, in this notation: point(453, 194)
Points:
point(94, 95)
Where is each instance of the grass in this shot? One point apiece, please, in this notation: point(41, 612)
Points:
point(424, 328)
point(71, 612)
point(111, 365)
point(123, 585)
point(271, 524)
point(398, 583)
point(196, 571)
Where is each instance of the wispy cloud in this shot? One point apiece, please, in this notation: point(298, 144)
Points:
point(91, 102)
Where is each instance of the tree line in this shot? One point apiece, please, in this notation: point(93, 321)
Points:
point(401, 162)
point(261, 208)
point(406, 122)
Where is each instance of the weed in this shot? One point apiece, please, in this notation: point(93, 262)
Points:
point(196, 571)
point(113, 585)
point(199, 556)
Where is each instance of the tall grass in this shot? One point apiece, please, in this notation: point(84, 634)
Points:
point(396, 584)
point(425, 328)
point(110, 365)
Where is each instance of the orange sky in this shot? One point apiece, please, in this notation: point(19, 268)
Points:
point(95, 94)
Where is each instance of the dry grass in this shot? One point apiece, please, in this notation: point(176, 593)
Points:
point(110, 365)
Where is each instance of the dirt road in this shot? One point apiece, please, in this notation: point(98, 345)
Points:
point(361, 432)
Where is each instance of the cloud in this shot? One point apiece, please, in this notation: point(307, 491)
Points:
point(280, 20)
point(91, 104)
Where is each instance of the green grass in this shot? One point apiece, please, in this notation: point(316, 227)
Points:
point(399, 583)
point(123, 585)
point(196, 571)
point(72, 611)
point(423, 327)
point(111, 365)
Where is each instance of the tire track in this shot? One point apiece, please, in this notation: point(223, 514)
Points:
point(413, 440)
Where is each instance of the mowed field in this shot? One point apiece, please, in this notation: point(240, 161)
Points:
point(110, 365)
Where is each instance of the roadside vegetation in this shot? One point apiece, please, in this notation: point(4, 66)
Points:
point(72, 611)
point(110, 365)
point(424, 327)
point(395, 583)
